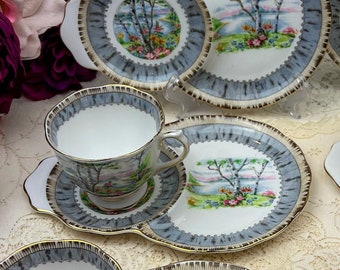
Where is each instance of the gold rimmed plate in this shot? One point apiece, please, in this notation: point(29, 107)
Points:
point(262, 51)
point(246, 182)
point(145, 43)
point(61, 254)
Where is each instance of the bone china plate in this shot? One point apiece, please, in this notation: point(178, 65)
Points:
point(197, 265)
point(145, 43)
point(63, 254)
point(261, 52)
point(246, 182)
point(50, 192)
point(334, 36)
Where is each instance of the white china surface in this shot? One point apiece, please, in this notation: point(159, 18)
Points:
point(70, 35)
point(332, 163)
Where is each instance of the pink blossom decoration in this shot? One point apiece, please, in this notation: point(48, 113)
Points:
point(257, 42)
point(289, 31)
point(268, 193)
point(239, 198)
point(233, 202)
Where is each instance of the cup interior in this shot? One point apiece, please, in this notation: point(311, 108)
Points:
point(104, 122)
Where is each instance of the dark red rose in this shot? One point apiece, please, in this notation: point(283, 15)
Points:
point(11, 69)
point(55, 70)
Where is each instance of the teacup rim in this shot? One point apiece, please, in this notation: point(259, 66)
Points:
point(97, 90)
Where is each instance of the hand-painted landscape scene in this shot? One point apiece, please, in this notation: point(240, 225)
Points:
point(147, 29)
point(241, 25)
point(232, 182)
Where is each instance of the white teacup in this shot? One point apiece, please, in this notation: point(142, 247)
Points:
point(108, 139)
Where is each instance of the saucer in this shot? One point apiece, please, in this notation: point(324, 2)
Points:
point(332, 163)
point(62, 254)
point(50, 192)
point(246, 182)
point(145, 43)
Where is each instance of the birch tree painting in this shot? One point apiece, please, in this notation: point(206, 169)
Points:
point(148, 29)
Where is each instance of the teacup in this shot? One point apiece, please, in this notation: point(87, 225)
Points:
point(108, 139)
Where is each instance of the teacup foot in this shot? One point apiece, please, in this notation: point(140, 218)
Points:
point(119, 203)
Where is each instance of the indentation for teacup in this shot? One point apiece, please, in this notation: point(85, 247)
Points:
point(119, 202)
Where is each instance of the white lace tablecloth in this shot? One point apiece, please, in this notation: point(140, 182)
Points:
point(312, 241)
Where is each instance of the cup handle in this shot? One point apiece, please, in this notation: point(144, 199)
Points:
point(178, 136)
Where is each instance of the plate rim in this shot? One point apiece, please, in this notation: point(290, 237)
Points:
point(149, 86)
point(301, 201)
point(201, 264)
point(298, 83)
point(33, 247)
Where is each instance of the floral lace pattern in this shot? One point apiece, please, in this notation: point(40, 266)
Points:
point(312, 241)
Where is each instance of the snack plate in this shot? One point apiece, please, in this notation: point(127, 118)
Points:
point(246, 182)
point(334, 35)
point(332, 163)
point(62, 254)
point(145, 43)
